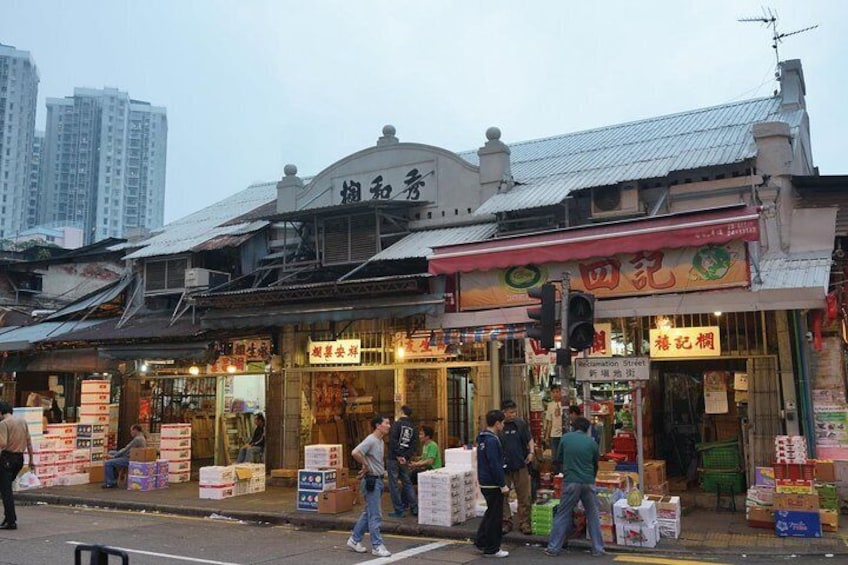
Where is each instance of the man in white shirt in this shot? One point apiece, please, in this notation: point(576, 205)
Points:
point(553, 424)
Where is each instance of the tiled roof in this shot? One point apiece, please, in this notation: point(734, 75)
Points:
point(551, 168)
point(420, 244)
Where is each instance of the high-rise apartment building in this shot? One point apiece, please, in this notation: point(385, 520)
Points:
point(36, 179)
point(104, 163)
point(18, 103)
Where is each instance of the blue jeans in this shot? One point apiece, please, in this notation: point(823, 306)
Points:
point(111, 466)
point(563, 521)
point(556, 460)
point(403, 497)
point(372, 515)
point(249, 454)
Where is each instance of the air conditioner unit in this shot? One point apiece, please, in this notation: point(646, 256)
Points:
point(616, 201)
point(205, 278)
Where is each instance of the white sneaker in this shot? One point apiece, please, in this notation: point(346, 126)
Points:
point(500, 553)
point(355, 545)
point(381, 551)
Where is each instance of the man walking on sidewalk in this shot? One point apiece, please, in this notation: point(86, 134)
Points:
point(518, 449)
point(369, 454)
point(403, 442)
point(580, 466)
point(490, 476)
point(14, 438)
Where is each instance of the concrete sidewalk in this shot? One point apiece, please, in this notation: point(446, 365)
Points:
point(704, 531)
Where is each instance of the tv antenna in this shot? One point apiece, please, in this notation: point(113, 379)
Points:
point(769, 18)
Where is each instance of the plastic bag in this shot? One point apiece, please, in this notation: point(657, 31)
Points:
point(28, 481)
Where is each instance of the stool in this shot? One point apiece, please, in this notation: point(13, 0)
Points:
point(121, 476)
point(731, 506)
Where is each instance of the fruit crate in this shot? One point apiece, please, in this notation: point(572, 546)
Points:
point(712, 479)
point(795, 471)
point(720, 455)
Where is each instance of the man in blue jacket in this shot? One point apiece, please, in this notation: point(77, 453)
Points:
point(492, 480)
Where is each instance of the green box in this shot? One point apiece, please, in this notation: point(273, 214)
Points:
point(711, 480)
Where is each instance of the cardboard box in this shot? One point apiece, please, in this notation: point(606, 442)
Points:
point(307, 500)
point(668, 507)
point(141, 483)
point(606, 466)
point(764, 476)
point(793, 486)
point(829, 520)
point(788, 501)
point(638, 535)
point(143, 454)
point(760, 517)
point(141, 469)
point(218, 492)
point(645, 513)
point(790, 523)
point(316, 480)
point(825, 471)
point(96, 474)
point(335, 501)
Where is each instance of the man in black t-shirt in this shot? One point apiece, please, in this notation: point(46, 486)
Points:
point(518, 449)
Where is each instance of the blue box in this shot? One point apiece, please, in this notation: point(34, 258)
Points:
point(316, 479)
point(308, 500)
point(141, 469)
point(797, 524)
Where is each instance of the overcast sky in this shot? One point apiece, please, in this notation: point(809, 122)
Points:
point(251, 85)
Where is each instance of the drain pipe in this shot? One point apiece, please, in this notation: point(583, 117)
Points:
point(806, 408)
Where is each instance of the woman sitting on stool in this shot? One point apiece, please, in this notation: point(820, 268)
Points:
point(256, 446)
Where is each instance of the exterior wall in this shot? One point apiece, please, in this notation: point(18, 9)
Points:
point(19, 93)
point(69, 282)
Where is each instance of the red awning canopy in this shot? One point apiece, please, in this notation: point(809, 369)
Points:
point(651, 234)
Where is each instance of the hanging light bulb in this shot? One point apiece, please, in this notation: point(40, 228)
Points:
point(194, 370)
point(231, 369)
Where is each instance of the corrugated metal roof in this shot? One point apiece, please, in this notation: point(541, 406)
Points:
point(23, 338)
point(553, 167)
point(101, 296)
point(793, 271)
point(420, 244)
point(211, 222)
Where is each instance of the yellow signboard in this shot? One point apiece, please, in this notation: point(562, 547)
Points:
point(341, 351)
point(675, 343)
point(628, 274)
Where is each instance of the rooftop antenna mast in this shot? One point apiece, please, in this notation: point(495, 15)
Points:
point(769, 18)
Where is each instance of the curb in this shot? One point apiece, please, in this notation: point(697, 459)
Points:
point(316, 521)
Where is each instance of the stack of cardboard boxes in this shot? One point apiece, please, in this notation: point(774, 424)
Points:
point(311, 483)
point(67, 471)
point(145, 472)
point(442, 496)
point(636, 525)
point(655, 479)
point(175, 448)
point(669, 513)
point(796, 504)
point(94, 424)
point(542, 517)
point(759, 503)
point(43, 449)
point(217, 482)
point(250, 478)
point(323, 485)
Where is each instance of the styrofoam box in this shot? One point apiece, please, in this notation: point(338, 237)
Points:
point(89, 386)
point(94, 398)
point(41, 458)
point(179, 476)
point(175, 442)
point(65, 468)
point(217, 475)
point(645, 513)
point(94, 419)
point(242, 488)
point(175, 454)
point(60, 430)
point(669, 528)
point(174, 430)
point(178, 466)
point(63, 455)
point(94, 410)
point(461, 457)
point(218, 492)
point(44, 444)
point(73, 479)
point(637, 535)
point(323, 448)
point(82, 454)
point(45, 471)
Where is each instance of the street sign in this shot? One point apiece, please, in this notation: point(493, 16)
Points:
point(609, 369)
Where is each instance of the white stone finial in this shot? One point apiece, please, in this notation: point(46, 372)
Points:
point(388, 137)
point(389, 129)
point(290, 170)
point(493, 133)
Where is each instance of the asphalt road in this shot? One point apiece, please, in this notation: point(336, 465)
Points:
point(49, 535)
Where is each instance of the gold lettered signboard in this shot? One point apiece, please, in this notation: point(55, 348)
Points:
point(687, 269)
point(685, 342)
point(338, 352)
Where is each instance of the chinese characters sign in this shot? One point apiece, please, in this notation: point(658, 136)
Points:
point(252, 349)
point(685, 342)
point(418, 347)
point(339, 352)
point(415, 182)
point(228, 364)
point(612, 369)
point(628, 274)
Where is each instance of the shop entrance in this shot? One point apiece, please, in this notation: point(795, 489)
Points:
point(425, 396)
point(460, 403)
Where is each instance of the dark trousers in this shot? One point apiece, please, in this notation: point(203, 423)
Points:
point(10, 466)
point(489, 533)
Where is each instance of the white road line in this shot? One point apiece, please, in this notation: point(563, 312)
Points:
point(168, 555)
point(408, 553)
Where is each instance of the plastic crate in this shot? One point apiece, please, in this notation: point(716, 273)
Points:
point(720, 455)
point(711, 480)
point(795, 471)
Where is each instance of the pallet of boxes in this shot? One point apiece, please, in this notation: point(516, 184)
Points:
point(94, 424)
point(175, 448)
point(323, 485)
point(448, 496)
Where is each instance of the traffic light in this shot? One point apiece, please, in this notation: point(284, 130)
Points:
point(581, 317)
point(545, 313)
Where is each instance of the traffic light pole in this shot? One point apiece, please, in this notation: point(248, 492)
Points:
point(564, 369)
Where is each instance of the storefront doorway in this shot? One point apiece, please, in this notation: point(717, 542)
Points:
point(460, 407)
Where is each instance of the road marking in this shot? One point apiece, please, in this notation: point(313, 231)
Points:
point(661, 560)
point(168, 555)
point(407, 553)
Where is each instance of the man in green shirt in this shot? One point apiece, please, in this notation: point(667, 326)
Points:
point(431, 456)
point(579, 454)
